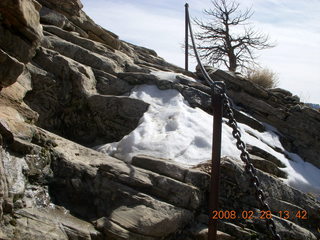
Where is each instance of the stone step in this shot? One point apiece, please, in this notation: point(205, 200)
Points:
point(121, 198)
point(173, 170)
point(53, 223)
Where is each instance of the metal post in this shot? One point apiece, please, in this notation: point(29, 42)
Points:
point(186, 36)
point(217, 105)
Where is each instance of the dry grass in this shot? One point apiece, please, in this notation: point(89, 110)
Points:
point(263, 77)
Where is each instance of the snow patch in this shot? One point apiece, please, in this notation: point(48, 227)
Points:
point(171, 76)
point(172, 129)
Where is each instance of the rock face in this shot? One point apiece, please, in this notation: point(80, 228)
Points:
point(65, 84)
point(21, 33)
point(298, 122)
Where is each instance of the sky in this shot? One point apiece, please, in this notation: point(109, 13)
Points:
point(294, 25)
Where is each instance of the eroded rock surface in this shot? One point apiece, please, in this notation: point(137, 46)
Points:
point(299, 123)
point(21, 33)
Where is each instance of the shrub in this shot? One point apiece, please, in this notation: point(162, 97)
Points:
point(263, 77)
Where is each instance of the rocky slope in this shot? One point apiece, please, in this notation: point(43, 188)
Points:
point(64, 82)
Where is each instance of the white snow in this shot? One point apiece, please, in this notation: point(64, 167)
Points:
point(172, 129)
point(170, 76)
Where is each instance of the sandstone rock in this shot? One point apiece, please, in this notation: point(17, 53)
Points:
point(78, 76)
point(114, 231)
point(62, 94)
point(289, 230)
point(237, 194)
point(108, 84)
point(4, 192)
point(149, 222)
point(6, 134)
point(21, 17)
point(151, 198)
point(197, 98)
point(10, 69)
point(95, 32)
point(268, 167)
point(201, 233)
point(115, 117)
point(46, 87)
point(122, 59)
point(172, 170)
point(82, 55)
point(72, 10)
point(3, 236)
point(253, 150)
point(234, 82)
point(302, 128)
point(12, 125)
point(53, 224)
point(49, 16)
point(136, 78)
point(21, 33)
point(171, 191)
point(14, 168)
point(147, 213)
point(18, 90)
point(248, 120)
point(148, 59)
point(72, 7)
point(278, 108)
point(240, 232)
point(281, 91)
point(161, 166)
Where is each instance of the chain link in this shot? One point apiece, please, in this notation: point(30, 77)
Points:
point(250, 169)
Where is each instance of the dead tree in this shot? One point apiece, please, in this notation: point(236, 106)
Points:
point(228, 38)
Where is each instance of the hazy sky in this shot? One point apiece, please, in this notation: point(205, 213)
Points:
point(293, 24)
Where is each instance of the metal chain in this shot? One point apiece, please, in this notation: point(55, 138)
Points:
point(250, 169)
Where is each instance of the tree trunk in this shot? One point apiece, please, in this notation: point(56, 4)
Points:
point(232, 62)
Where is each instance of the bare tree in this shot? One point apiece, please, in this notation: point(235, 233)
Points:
point(228, 39)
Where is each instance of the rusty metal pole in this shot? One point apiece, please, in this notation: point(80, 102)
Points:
point(186, 37)
point(217, 105)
